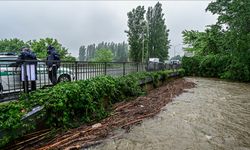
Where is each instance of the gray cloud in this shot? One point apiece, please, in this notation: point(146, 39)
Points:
point(79, 23)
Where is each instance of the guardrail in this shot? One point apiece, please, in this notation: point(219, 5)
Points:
point(11, 83)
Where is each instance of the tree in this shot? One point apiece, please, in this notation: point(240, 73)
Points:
point(11, 45)
point(119, 50)
point(69, 58)
point(82, 53)
point(235, 16)
point(122, 52)
point(212, 41)
point(223, 49)
point(193, 41)
point(158, 43)
point(91, 52)
point(103, 55)
point(40, 47)
point(136, 34)
point(233, 13)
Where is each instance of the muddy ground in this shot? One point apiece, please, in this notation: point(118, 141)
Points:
point(125, 115)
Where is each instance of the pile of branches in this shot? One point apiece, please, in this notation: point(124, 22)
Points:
point(125, 115)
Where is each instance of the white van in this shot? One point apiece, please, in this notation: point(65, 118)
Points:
point(175, 62)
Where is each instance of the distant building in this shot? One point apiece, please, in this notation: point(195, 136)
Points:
point(154, 60)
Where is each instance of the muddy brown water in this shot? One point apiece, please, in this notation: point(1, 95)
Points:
point(213, 115)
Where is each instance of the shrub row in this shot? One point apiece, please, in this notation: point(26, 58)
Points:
point(70, 104)
point(221, 66)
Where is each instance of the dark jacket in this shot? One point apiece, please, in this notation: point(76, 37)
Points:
point(26, 55)
point(53, 56)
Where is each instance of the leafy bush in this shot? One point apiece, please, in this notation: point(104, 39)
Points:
point(191, 65)
point(213, 65)
point(222, 66)
point(237, 71)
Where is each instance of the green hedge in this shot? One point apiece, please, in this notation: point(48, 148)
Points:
point(72, 103)
point(221, 66)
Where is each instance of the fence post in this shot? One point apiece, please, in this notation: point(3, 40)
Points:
point(105, 68)
point(123, 65)
point(76, 73)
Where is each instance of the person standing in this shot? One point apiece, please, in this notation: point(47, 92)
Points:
point(28, 62)
point(53, 63)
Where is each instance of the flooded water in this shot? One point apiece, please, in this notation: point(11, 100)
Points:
point(214, 115)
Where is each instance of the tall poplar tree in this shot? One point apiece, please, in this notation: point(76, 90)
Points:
point(158, 43)
point(136, 34)
point(82, 53)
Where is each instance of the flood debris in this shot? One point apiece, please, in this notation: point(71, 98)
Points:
point(97, 125)
point(125, 115)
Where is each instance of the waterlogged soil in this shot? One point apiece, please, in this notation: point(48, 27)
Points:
point(213, 115)
point(124, 116)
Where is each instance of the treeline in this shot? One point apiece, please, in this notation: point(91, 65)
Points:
point(147, 34)
point(119, 52)
point(147, 38)
point(223, 49)
point(38, 46)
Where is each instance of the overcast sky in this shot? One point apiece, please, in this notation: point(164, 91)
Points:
point(76, 23)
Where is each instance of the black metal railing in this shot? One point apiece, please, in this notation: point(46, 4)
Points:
point(12, 81)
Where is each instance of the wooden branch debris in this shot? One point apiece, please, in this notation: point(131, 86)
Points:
point(125, 115)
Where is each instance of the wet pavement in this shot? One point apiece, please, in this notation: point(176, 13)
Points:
point(213, 115)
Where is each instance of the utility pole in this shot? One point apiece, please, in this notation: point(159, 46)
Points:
point(142, 36)
point(147, 39)
point(143, 41)
point(142, 45)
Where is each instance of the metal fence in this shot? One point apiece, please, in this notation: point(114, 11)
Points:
point(12, 82)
